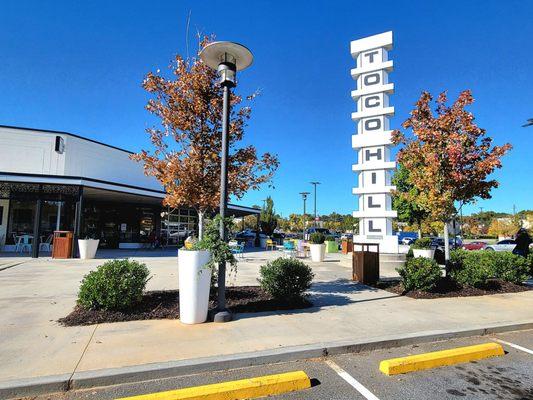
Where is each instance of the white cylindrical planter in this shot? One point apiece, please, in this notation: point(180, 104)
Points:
point(194, 284)
point(427, 253)
point(318, 252)
point(87, 248)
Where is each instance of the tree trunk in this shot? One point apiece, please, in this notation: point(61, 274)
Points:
point(446, 246)
point(200, 225)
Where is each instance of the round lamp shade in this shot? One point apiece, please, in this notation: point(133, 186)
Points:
point(216, 52)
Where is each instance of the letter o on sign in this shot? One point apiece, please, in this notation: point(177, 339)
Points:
point(372, 79)
point(372, 124)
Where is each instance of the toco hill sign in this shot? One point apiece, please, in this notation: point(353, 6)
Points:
point(373, 140)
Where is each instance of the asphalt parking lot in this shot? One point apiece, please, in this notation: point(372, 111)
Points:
point(356, 376)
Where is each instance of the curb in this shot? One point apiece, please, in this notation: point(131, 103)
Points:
point(146, 372)
point(250, 388)
point(435, 359)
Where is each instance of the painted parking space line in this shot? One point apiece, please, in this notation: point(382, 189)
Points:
point(515, 346)
point(352, 381)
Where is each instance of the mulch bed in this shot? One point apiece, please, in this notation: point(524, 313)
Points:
point(165, 305)
point(447, 288)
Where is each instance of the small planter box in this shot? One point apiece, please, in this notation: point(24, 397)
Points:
point(365, 263)
point(427, 253)
point(194, 284)
point(87, 248)
point(331, 246)
point(346, 246)
point(317, 252)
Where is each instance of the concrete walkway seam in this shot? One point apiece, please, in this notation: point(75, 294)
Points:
point(161, 370)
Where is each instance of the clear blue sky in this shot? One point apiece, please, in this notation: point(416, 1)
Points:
point(77, 66)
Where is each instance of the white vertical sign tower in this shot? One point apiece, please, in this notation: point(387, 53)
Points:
point(373, 141)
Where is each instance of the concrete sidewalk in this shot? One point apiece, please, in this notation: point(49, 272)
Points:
point(35, 294)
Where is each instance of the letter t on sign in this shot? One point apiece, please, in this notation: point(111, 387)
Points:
point(371, 55)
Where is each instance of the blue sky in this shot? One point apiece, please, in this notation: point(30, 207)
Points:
point(77, 66)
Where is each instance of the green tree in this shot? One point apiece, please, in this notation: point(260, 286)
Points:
point(404, 199)
point(268, 218)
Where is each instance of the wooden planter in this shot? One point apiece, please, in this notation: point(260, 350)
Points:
point(346, 246)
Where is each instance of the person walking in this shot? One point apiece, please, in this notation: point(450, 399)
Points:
point(523, 240)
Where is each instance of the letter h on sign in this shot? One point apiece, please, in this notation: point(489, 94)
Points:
point(369, 154)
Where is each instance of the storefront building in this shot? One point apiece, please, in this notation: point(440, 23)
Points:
point(52, 181)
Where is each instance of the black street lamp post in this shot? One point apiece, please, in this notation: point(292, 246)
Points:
point(315, 185)
point(304, 198)
point(227, 58)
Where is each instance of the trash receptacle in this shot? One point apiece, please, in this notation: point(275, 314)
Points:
point(62, 245)
point(365, 263)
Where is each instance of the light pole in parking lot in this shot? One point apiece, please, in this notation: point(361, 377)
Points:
point(227, 58)
point(315, 185)
point(304, 198)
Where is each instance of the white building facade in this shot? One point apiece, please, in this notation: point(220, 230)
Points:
point(373, 141)
point(72, 183)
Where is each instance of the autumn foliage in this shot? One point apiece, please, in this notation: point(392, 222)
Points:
point(449, 158)
point(185, 156)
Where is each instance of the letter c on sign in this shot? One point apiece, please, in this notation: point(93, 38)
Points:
point(371, 79)
point(372, 101)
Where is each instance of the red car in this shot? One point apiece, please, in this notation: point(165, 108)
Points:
point(474, 245)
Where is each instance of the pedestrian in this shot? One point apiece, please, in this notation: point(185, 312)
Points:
point(523, 240)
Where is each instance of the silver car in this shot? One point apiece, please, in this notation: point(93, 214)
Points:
point(502, 245)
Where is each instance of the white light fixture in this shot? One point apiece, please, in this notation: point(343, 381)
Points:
point(227, 58)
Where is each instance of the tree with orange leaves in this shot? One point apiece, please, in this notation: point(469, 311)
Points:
point(187, 145)
point(450, 158)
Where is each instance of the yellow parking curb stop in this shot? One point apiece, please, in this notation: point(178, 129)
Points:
point(435, 359)
point(242, 389)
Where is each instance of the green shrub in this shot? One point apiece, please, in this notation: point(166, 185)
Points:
point(317, 238)
point(422, 244)
point(530, 263)
point(457, 258)
point(472, 268)
point(114, 285)
point(286, 278)
point(510, 267)
point(475, 268)
point(330, 238)
point(419, 274)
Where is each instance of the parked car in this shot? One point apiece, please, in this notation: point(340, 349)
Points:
point(406, 237)
point(437, 243)
point(455, 243)
point(407, 240)
point(477, 245)
point(502, 245)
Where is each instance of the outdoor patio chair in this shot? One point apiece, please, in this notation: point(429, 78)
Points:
point(238, 250)
point(23, 243)
point(47, 244)
point(289, 249)
point(301, 250)
point(270, 244)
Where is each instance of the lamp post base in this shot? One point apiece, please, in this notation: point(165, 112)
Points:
point(222, 316)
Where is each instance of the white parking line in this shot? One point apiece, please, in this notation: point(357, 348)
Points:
point(515, 346)
point(352, 381)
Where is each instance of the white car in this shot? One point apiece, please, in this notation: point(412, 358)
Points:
point(502, 245)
